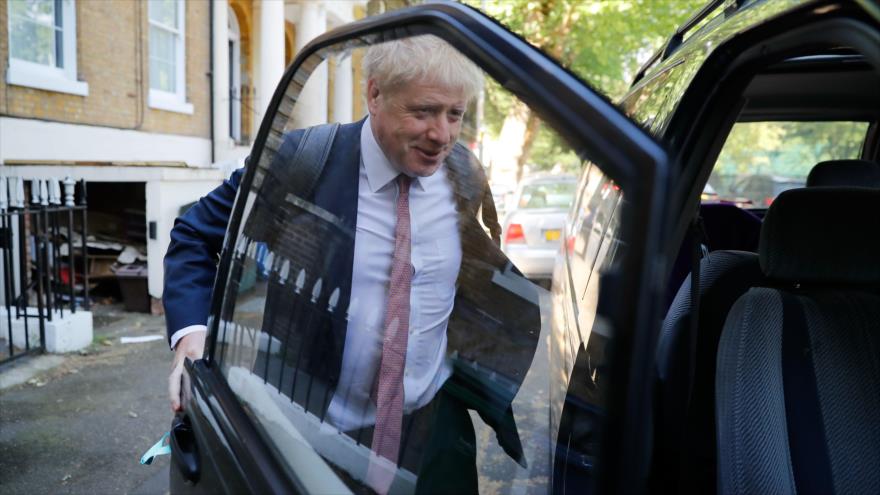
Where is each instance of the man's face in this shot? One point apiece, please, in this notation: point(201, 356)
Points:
point(416, 125)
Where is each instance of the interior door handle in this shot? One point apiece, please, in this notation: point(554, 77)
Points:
point(183, 448)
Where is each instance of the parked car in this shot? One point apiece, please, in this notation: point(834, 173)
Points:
point(759, 191)
point(611, 403)
point(502, 195)
point(532, 228)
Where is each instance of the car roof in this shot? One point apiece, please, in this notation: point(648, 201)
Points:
point(716, 22)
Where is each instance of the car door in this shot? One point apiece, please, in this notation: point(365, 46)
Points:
point(256, 408)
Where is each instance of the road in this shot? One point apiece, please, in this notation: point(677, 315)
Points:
point(82, 426)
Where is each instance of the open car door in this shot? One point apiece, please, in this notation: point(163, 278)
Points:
point(259, 413)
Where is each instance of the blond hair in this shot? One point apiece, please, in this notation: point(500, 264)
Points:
point(426, 59)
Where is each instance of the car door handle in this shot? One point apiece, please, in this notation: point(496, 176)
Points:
point(183, 448)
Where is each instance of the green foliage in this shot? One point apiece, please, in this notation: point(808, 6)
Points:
point(602, 41)
point(788, 149)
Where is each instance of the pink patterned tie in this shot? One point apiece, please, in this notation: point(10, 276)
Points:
point(389, 392)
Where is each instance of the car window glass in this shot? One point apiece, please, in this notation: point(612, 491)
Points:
point(644, 104)
point(599, 197)
point(760, 160)
point(307, 318)
point(578, 346)
point(547, 195)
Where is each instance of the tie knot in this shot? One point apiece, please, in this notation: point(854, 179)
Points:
point(403, 182)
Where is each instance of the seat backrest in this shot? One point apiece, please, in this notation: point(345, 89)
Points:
point(798, 371)
point(844, 173)
point(728, 227)
point(725, 276)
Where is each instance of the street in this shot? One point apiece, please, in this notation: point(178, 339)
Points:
point(82, 426)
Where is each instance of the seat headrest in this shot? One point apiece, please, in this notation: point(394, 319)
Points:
point(845, 173)
point(825, 235)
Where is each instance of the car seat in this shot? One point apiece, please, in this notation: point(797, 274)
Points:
point(686, 460)
point(727, 226)
point(844, 173)
point(798, 370)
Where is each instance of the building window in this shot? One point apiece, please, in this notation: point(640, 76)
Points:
point(167, 56)
point(42, 45)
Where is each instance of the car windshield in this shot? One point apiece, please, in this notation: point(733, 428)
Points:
point(547, 195)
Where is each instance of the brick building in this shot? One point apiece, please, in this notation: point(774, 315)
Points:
point(153, 102)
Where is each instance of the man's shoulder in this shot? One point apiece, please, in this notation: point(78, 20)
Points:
point(344, 135)
point(466, 171)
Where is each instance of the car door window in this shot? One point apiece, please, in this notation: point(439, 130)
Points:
point(301, 344)
point(303, 330)
point(760, 160)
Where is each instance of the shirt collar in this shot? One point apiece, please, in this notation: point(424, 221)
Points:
point(379, 169)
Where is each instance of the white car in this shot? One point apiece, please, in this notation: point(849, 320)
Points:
point(533, 225)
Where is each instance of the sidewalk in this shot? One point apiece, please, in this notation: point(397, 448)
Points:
point(82, 425)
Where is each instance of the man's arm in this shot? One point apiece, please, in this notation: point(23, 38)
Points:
point(191, 260)
point(190, 269)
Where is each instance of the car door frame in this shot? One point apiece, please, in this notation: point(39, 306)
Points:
point(594, 127)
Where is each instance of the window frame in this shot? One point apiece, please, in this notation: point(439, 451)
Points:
point(62, 79)
point(166, 100)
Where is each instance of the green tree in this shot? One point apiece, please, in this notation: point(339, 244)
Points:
point(602, 41)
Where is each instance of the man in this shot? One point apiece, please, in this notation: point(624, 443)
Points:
point(445, 323)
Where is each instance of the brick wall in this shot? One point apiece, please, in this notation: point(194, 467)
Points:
point(112, 57)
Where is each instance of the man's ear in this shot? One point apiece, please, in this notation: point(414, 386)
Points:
point(373, 95)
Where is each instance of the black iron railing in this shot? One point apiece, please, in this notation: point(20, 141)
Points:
point(43, 225)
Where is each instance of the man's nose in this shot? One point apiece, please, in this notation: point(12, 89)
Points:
point(438, 131)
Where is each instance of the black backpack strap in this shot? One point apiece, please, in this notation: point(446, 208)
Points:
point(310, 157)
point(810, 463)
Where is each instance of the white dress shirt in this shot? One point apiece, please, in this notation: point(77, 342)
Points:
point(436, 258)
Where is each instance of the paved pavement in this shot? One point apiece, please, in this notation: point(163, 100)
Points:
point(82, 425)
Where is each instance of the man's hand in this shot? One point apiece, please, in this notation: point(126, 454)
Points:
point(190, 346)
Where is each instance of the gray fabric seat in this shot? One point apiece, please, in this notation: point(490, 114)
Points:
point(685, 446)
point(686, 459)
point(798, 371)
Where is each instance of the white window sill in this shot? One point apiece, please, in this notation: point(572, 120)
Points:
point(170, 102)
point(46, 78)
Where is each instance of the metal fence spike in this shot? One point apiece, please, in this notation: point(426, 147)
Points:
point(54, 191)
point(69, 191)
point(316, 290)
point(35, 191)
point(44, 193)
point(300, 280)
point(285, 271)
point(16, 199)
point(334, 300)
